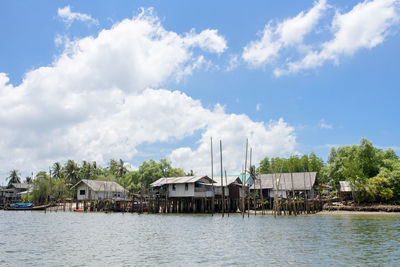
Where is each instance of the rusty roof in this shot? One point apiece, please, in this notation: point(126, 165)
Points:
point(179, 180)
point(283, 181)
point(230, 179)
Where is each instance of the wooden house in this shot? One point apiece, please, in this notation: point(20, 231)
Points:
point(13, 191)
point(283, 184)
point(346, 191)
point(99, 190)
point(232, 185)
point(186, 186)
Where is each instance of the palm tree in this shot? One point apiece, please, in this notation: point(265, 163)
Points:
point(57, 170)
point(13, 177)
point(28, 179)
point(71, 172)
point(121, 168)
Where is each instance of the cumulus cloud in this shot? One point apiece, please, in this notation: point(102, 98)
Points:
point(283, 46)
point(95, 101)
point(275, 138)
point(69, 17)
point(290, 32)
point(364, 27)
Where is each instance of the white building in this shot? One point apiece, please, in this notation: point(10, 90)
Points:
point(187, 186)
point(99, 190)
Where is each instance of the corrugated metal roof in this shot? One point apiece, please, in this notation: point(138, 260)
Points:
point(301, 181)
point(19, 185)
point(229, 179)
point(179, 180)
point(345, 186)
point(102, 186)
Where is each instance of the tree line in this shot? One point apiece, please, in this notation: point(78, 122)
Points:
point(57, 182)
point(374, 173)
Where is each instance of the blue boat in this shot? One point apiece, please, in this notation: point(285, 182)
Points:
point(21, 206)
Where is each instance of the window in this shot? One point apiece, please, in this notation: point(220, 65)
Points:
point(173, 187)
point(82, 192)
point(186, 187)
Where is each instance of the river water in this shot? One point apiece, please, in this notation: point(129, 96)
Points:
point(35, 238)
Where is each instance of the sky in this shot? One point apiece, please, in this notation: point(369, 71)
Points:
point(141, 80)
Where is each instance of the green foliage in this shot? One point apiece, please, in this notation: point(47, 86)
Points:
point(357, 163)
point(13, 177)
point(292, 164)
point(375, 190)
point(41, 188)
point(149, 172)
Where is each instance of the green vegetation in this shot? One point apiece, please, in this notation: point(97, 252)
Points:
point(373, 173)
point(13, 177)
point(63, 177)
point(304, 163)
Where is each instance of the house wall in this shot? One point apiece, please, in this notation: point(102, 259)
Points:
point(180, 190)
point(234, 191)
point(82, 186)
point(218, 191)
point(92, 195)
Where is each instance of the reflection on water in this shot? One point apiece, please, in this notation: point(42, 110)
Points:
point(98, 239)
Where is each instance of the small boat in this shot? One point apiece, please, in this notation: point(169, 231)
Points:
point(26, 206)
point(78, 210)
point(22, 206)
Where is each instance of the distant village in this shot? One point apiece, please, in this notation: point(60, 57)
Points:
point(354, 176)
point(191, 194)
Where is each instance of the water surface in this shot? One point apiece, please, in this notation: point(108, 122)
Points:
point(36, 238)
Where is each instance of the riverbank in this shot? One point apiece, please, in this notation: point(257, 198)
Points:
point(362, 208)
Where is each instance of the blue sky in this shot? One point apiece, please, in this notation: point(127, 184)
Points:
point(293, 76)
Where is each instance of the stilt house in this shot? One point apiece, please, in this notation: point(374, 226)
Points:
point(186, 186)
point(99, 190)
point(282, 184)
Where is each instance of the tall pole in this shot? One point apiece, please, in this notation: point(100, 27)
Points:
point(293, 199)
point(222, 180)
point(254, 186)
point(244, 178)
point(249, 197)
point(226, 183)
point(212, 177)
point(50, 189)
point(261, 191)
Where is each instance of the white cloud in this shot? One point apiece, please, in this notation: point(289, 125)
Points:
point(324, 125)
point(364, 27)
point(276, 138)
point(94, 101)
point(290, 32)
point(233, 62)
point(258, 107)
point(284, 47)
point(69, 17)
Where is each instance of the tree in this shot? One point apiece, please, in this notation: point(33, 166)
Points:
point(14, 177)
point(85, 172)
point(113, 167)
point(28, 179)
point(265, 166)
point(57, 170)
point(149, 172)
point(121, 168)
point(41, 188)
point(71, 172)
